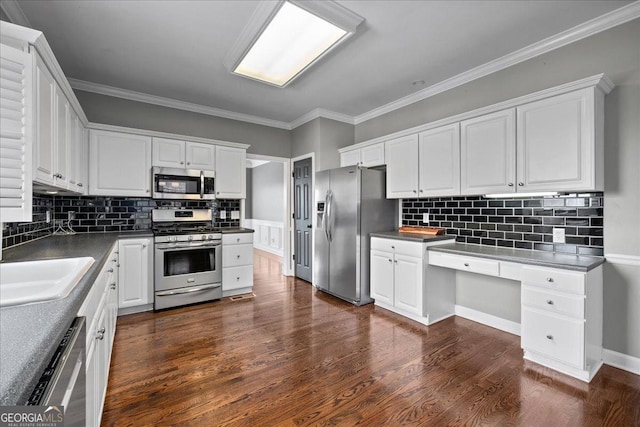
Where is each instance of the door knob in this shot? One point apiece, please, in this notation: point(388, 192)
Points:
point(309, 226)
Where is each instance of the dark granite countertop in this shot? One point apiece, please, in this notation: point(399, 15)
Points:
point(234, 230)
point(412, 237)
point(582, 263)
point(29, 334)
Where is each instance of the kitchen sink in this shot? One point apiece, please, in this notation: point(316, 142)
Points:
point(38, 281)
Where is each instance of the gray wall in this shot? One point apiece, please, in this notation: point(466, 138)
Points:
point(267, 192)
point(123, 112)
point(614, 52)
point(323, 137)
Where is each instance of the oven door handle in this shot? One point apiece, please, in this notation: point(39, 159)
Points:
point(188, 246)
point(202, 184)
point(188, 291)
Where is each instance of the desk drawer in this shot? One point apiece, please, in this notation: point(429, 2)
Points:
point(553, 302)
point(465, 263)
point(551, 278)
point(553, 336)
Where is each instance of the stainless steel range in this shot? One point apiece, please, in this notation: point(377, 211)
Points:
point(188, 257)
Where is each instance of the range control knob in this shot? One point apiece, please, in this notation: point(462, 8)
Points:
point(210, 237)
point(190, 238)
point(204, 237)
point(173, 239)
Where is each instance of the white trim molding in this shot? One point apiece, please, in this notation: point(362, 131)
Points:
point(173, 103)
point(14, 12)
point(321, 112)
point(623, 259)
point(579, 32)
point(621, 361)
point(488, 319)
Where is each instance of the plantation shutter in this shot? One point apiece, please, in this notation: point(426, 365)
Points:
point(15, 141)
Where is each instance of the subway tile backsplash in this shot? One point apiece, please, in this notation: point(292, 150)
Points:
point(516, 223)
point(103, 214)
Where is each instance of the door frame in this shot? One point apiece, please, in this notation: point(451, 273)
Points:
point(313, 212)
point(287, 258)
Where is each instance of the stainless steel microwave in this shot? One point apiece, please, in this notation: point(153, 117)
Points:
point(173, 183)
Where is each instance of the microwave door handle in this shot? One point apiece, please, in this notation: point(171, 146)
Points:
point(202, 184)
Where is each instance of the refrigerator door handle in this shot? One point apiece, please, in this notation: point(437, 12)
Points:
point(329, 223)
point(325, 214)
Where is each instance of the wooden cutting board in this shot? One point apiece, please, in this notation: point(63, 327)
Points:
point(422, 230)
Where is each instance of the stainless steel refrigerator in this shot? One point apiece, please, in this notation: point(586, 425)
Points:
point(350, 204)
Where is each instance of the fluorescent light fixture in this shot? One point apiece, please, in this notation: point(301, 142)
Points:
point(284, 38)
point(516, 195)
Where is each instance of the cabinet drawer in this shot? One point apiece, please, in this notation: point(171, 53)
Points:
point(554, 302)
point(553, 336)
point(237, 277)
point(402, 247)
point(237, 239)
point(554, 279)
point(236, 255)
point(465, 263)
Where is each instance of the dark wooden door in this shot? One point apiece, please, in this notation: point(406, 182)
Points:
point(302, 218)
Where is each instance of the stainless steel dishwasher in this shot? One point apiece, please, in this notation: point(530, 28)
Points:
point(63, 382)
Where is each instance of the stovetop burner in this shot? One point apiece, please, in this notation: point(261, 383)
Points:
point(181, 228)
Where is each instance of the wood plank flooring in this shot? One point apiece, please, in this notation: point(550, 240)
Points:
point(293, 356)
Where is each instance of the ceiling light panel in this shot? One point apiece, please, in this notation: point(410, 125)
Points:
point(289, 39)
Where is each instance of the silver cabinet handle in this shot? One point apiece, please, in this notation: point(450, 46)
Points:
point(114, 260)
point(112, 286)
point(510, 184)
point(237, 279)
point(550, 302)
point(182, 163)
point(144, 246)
point(79, 184)
point(421, 191)
point(549, 337)
point(100, 334)
point(188, 163)
point(415, 191)
point(395, 261)
point(550, 279)
point(521, 184)
point(238, 256)
point(393, 247)
point(238, 239)
point(110, 270)
point(390, 260)
point(147, 190)
point(188, 291)
point(466, 264)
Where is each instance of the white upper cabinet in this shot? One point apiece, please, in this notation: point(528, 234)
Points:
point(557, 142)
point(43, 153)
point(168, 153)
point(402, 167)
point(231, 175)
point(200, 156)
point(16, 125)
point(367, 156)
point(439, 161)
point(488, 154)
point(119, 164)
point(61, 145)
point(174, 153)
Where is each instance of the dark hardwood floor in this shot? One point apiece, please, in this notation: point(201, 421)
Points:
point(295, 356)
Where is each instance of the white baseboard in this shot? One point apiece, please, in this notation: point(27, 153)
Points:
point(621, 361)
point(133, 310)
point(269, 249)
point(488, 319)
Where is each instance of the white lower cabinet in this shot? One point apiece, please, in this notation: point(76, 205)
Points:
point(136, 273)
point(100, 309)
point(237, 264)
point(561, 323)
point(403, 282)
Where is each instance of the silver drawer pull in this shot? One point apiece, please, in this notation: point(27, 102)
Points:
point(550, 279)
point(113, 286)
point(238, 256)
point(110, 270)
point(550, 302)
point(549, 337)
point(396, 261)
point(237, 278)
point(390, 260)
point(466, 264)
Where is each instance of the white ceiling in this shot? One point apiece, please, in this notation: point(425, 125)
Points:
point(175, 49)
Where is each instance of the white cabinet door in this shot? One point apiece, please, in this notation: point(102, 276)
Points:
point(119, 164)
point(402, 167)
point(440, 161)
point(556, 148)
point(43, 150)
point(408, 284)
point(61, 146)
point(200, 156)
point(350, 158)
point(72, 149)
point(231, 173)
point(82, 158)
point(372, 155)
point(168, 153)
point(382, 276)
point(488, 154)
point(135, 272)
point(16, 124)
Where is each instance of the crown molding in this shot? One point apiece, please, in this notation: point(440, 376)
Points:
point(173, 103)
point(581, 31)
point(14, 12)
point(321, 112)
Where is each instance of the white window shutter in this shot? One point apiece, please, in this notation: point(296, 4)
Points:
point(16, 75)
